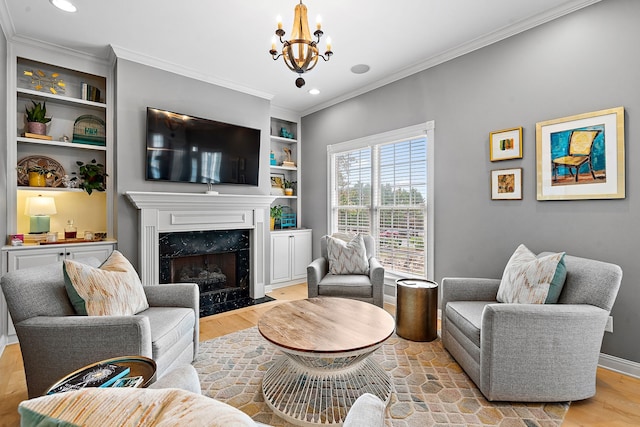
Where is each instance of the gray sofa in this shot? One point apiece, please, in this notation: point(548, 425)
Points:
point(54, 341)
point(355, 286)
point(531, 352)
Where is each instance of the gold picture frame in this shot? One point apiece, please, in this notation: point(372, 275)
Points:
point(581, 156)
point(505, 144)
point(506, 184)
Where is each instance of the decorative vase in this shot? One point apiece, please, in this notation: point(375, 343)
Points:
point(273, 223)
point(288, 191)
point(37, 180)
point(37, 128)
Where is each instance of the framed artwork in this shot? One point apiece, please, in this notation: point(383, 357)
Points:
point(506, 184)
point(581, 156)
point(277, 184)
point(505, 144)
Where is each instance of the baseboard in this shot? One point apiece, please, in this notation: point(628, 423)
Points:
point(271, 288)
point(623, 366)
point(3, 343)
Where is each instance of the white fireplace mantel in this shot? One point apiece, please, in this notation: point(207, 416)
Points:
point(162, 212)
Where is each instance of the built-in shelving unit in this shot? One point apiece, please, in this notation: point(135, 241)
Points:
point(285, 135)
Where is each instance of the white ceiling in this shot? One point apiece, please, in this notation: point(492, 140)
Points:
point(227, 42)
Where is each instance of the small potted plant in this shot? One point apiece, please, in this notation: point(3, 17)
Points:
point(92, 176)
point(37, 118)
point(37, 175)
point(289, 187)
point(275, 214)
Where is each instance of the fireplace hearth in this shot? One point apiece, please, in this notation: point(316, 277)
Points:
point(217, 260)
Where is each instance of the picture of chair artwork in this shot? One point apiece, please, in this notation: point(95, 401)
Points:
point(578, 156)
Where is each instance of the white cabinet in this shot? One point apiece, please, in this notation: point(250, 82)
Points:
point(290, 256)
point(20, 257)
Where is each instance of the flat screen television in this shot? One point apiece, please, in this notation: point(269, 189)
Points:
point(182, 148)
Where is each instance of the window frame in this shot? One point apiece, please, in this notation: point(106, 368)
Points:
point(426, 129)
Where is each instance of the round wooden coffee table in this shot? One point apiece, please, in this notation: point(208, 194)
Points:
point(326, 342)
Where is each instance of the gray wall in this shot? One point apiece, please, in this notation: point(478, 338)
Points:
point(3, 163)
point(138, 87)
point(583, 62)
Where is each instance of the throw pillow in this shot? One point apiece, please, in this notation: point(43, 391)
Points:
point(113, 289)
point(347, 257)
point(129, 407)
point(527, 279)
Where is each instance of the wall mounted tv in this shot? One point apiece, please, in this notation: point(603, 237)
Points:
point(182, 148)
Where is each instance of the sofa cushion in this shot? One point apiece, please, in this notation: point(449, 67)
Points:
point(347, 257)
point(113, 289)
point(129, 407)
point(347, 286)
point(527, 279)
point(467, 317)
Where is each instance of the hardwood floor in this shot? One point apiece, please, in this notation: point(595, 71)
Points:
point(616, 403)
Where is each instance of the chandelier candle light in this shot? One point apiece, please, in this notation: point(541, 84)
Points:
point(301, 52)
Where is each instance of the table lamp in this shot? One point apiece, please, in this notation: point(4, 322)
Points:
point(39, 208)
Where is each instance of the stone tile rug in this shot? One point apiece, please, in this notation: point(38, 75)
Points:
point(430, 388)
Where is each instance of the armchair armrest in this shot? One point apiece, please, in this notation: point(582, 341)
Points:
point(376, 277)
point(548, 341)
point(173, 295)
point(318, 268)
point(53, 347)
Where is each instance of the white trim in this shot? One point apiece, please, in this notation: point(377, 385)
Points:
point(384, 137)
point(617, 364)
point(150, 61)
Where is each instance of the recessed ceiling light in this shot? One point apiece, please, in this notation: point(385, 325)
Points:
point(314, 91)
point(360, 69)
point(65, 5)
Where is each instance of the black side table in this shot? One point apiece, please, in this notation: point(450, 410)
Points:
point(417, 309)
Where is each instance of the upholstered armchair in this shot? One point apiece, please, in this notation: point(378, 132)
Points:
point(364, 287)
point(55, 341)
point(531, 352)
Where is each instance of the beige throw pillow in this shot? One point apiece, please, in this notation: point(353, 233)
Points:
point(113, 289)
point(527, 279)
point(347, 257)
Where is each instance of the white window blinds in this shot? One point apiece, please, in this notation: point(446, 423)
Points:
point(381, 189)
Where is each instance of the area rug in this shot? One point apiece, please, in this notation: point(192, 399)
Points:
point(430, 389)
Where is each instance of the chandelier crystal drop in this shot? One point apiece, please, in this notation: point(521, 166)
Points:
point(300, 53)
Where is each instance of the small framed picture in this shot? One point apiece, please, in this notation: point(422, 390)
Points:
point(506, 184)
point(277, 184)
point(505, 144)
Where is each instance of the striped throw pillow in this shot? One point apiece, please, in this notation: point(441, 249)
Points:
point(347, 257)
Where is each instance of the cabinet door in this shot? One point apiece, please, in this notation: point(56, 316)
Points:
point(33, 258)
point(280, 257)
point(101, 252)
point(301, 254)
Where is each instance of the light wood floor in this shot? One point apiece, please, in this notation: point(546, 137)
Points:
point(616, 403)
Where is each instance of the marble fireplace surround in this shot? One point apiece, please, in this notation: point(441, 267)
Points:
point(162, 212)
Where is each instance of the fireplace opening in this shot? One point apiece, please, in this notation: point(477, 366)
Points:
point(217, 260)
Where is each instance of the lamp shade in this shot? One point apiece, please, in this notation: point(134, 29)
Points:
point(40, 206)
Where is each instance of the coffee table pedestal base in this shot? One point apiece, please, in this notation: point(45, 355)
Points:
point(311, 391)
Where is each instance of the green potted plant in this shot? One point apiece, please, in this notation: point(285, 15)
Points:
point(37, 175)
point(289, 186)
point(275, 214)
point(92, 176)
point(37, 118)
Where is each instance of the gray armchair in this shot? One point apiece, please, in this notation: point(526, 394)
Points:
point(54, 341)
point(355, 286)
point(531, 352)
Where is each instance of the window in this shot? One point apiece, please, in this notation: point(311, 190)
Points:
point(380, 185)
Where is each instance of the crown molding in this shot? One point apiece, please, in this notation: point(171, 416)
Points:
point(6, 23)
point(463, 49)
point(129, 55)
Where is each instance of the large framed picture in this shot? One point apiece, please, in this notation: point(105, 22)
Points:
point(505, 144)
point(506, 184)
point(581, 156)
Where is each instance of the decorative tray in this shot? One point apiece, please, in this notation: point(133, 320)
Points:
point(55, 180)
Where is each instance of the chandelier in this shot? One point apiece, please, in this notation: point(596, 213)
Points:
point(301, 52)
